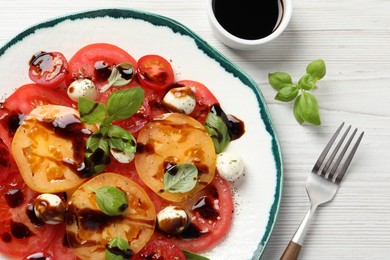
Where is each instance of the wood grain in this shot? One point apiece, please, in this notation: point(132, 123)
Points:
point(353, 37)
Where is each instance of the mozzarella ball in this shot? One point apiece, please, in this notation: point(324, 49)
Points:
point(172, 220)
point(121, 156)
point(230, 166)
point(49, 208)
point(82, 88)
point(181, 100)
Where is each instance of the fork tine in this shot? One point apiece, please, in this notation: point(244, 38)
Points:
point(336, 149)
point(339, 159)
point(322, 156)
point(347, 162)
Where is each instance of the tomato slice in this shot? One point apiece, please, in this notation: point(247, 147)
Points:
point(30, 96)
point(172, 139)
point(20, 233)
point(48, 68)
point(7, 163)
point(210, 212)
point(160, 249)
point(89, 230)
point(155, 72)
point(95, 62)
point(48, 148)
point(204, 99)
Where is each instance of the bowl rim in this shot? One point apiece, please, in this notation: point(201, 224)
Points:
point(287, 13)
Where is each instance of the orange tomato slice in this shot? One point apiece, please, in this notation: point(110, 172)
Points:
point(89, 230)
point(174, 139)
point(48, 147)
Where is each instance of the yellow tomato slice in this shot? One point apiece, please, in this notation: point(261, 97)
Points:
point(48, 147)
point(174, 139)
point(89, 230)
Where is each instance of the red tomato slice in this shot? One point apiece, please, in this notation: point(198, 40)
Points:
point(30, 96)
point(48, 68)
point(210, 212)
point(8, 126)
point(155, 72)
point(21, 235)
point(7, 163)
point(95, 62)
point(160, 249)
point(204, 99)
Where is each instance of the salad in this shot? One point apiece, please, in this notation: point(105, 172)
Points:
point(109, 157)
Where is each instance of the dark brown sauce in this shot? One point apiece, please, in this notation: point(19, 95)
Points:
point(20, 230)
point(13, 121)
point(126, 74)
point(95, 220)
point(71, 128)
point(236, 127)
point(6, 237)
point(192, 231)
point(249, 19)
point(204, 206)
point(145, 148)
point(125, 254)
point(32, 217)
point(14, 197)
point(101, 71)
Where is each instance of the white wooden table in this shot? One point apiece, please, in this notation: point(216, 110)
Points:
point(353, 37)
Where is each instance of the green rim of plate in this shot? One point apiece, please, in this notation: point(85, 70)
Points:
point(177, 27)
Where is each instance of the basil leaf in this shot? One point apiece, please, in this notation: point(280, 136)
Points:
point(279, 80)
point(124, 103)
point(180, 178)
point(121, 74)
point(307, 82)
point(192, 256)
point(121, 140)
point(97, 140)
point(90, 111)
point(111, 200)
point(317, 69)
point(218, 131)
point(306, 109)
point(121, 245)
point(94, 162)
point(297, 110)
point(287, 93)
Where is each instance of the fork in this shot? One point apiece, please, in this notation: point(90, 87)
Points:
point(323, 183)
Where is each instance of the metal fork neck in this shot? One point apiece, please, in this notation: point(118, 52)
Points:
point(300, 234)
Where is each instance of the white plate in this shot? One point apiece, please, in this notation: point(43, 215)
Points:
point(256, 195)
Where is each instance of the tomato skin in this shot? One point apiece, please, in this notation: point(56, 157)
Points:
point(82, 64)
point(204, 99)
point(48, 68)
point(30, 96)
point(217, 221)
point(155, 72)
point(160, 249)
point(21, 244)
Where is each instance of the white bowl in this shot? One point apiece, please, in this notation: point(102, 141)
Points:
point(243, 44)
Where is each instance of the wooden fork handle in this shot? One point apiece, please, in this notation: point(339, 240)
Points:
point(291, 252)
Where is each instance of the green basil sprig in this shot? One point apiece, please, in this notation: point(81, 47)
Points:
point(180, 178)
point(111, 200)
point(118, 249)
point(192, 256)
point(120, 76)
point(120, 105)
point(218, 131)
point(305, 105)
